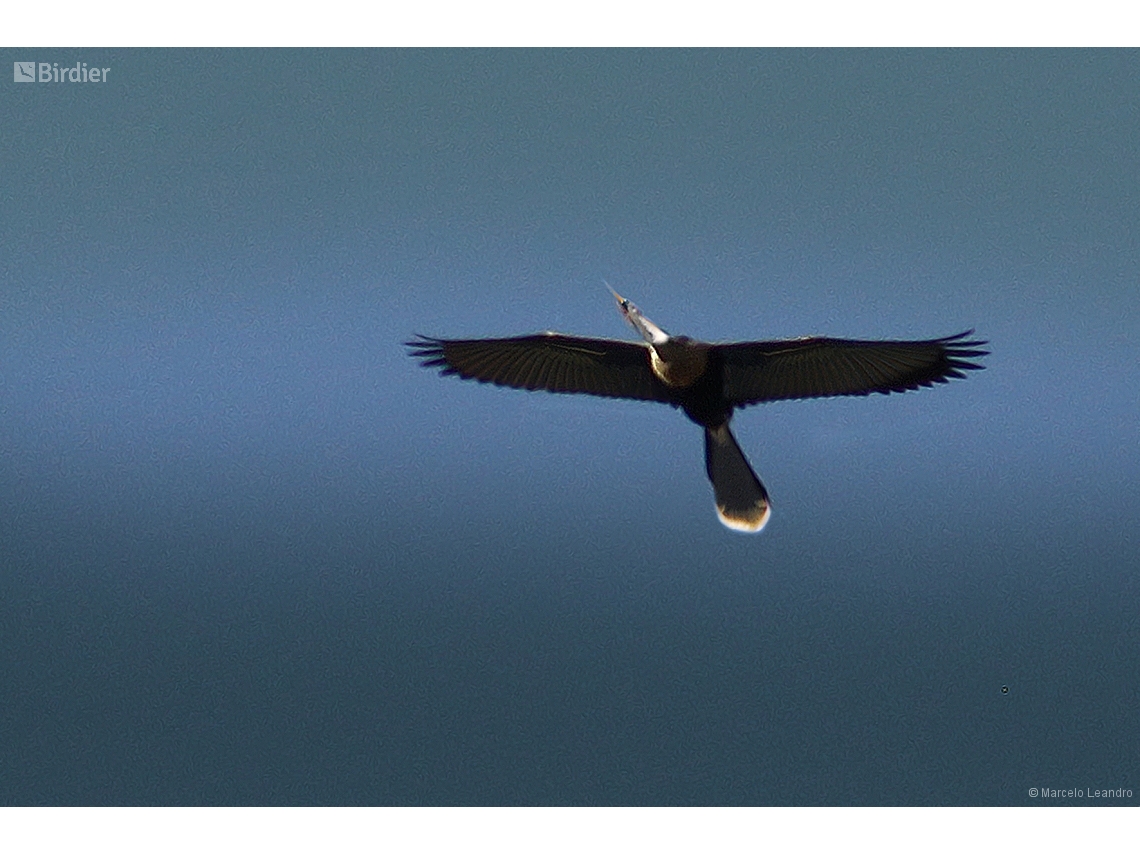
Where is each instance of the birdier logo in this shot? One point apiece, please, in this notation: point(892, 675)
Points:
point(50, 72)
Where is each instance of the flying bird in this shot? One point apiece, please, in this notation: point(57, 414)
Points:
point(706, 380)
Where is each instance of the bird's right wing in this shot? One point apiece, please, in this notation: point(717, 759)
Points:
point(548, 361)
point(821, 367)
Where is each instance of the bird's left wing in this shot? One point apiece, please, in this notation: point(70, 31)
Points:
point(818, 367)
point(548, 361)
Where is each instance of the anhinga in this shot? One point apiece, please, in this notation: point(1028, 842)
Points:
point(707, 381)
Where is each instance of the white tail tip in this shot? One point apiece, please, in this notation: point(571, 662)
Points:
point(751, 522)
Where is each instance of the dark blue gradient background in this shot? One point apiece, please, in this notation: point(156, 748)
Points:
point(251, 553)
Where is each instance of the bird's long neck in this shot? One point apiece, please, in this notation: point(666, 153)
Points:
point(679, 361)
point(645, 327)
point(649, 330)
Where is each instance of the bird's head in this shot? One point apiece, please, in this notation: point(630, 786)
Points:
point(645, 327)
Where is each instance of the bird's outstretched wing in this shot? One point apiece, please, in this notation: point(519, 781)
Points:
point(819, 367)
point(548, 361)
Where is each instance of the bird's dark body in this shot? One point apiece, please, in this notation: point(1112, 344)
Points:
point(704, 401)
point(707, 381)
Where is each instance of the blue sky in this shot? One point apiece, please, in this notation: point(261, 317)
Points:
point(254, 554)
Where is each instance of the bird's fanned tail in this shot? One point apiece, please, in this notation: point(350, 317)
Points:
point(741, 500)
